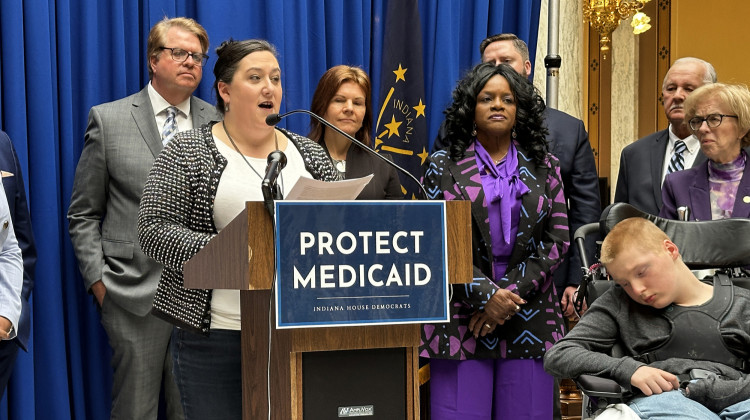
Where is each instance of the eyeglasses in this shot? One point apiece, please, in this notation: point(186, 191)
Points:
point(712, 120)
point(179, 55)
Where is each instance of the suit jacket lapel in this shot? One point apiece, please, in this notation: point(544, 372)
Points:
point(657, 164)
point(742, 200)
point(530, 176)
point(143, 114)
point(700, 200)
point(198, 112)
point(466, 174)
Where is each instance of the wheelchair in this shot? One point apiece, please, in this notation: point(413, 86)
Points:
point(721, 245)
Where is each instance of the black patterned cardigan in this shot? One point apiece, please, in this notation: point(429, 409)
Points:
point(175, 219)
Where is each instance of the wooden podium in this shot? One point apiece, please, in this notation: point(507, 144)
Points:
point(242, 257)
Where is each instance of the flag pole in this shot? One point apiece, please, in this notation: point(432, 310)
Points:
point(553, 60)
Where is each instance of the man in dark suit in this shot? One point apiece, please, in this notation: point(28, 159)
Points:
point(19, 213)
point(644, 163)
point(122, 140)
point(569, 142)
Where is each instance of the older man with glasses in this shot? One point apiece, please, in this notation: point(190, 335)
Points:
point(121, 142)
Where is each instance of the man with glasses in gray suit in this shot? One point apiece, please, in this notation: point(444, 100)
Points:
point(121, 142)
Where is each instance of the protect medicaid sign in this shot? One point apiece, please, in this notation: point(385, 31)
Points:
point(360, 263)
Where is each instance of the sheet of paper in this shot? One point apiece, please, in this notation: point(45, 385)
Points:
point(312, 189)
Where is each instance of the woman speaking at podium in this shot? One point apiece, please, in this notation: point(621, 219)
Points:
point(343, 98)
point(487, 362)
point(198, 184)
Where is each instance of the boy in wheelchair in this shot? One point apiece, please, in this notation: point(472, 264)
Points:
point(686, 343)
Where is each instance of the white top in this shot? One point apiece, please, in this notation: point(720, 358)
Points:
point(237, 185)
point(160, 105)
point(688, 156)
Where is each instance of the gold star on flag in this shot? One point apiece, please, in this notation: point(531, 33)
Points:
point(423, 155)
point(400, 73)
point(420, 109)
point(393, 127)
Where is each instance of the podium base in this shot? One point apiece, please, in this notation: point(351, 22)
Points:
point(368, 384)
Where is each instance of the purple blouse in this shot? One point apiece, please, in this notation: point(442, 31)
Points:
point(503, 190)
point(724, 179)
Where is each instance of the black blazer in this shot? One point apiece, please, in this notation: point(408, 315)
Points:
point(569, 143)
point(385, 185)
point(641, 165)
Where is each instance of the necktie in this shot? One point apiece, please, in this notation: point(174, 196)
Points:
point(170, 126)
point(677, 163)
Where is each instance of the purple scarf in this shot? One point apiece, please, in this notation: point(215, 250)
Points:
point(724, 179)
point(503, 190)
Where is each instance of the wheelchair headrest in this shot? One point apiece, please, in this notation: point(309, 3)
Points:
point(703, 244)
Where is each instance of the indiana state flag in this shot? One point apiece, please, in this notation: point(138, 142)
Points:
point(401, 126)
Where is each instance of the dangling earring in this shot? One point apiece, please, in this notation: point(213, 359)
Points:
point(474, 131)
point(226, 108)
point(513, 133)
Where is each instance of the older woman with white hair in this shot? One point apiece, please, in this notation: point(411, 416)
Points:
point(719, 116)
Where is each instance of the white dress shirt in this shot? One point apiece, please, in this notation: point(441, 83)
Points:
point(11, 269)
point(688, 156)
point(160, 105)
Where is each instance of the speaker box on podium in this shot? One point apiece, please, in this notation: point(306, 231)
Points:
point(318, 372)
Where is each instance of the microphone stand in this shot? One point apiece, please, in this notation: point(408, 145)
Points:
point(269, 187)
point(274, 119)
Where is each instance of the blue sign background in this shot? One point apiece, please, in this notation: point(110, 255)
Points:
point(337, 306)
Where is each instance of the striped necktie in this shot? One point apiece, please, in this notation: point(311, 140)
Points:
point(170, 125)
point(677, 163)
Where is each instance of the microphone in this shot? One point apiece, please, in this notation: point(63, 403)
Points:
point(276, 162)
point(274, 119)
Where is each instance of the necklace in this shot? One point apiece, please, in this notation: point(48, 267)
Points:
point(340, 164)
point(497, 161)
point(276, 143)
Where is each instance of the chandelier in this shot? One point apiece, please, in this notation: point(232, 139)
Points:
point(605, 16)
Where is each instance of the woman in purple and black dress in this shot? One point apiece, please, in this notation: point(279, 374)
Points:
point(486, 363)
